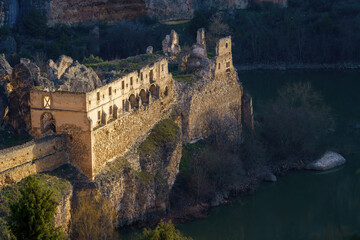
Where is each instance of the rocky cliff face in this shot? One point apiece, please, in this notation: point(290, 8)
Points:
point(75, 11)
point(184, 9)
point(136, 193)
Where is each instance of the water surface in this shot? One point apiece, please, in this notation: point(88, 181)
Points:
point(301, 205)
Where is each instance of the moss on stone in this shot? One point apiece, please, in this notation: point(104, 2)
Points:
point(164, 133)
point(124, 66)
point(145, 178)
point(187, 78)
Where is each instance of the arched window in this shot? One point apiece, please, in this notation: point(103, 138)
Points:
point(144, 97)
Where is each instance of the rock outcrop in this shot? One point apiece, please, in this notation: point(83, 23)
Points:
point(136, 193)
point(170, 44)
point(56, 70)
point(79, 78)
point(328, 161)
point(25, 76)
point(90, 11)
point(68, 75)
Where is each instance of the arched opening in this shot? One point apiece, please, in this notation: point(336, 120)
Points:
point(166, 91)
point(125, 106)
point(154, 91)
point(133, 101)
point(48, 124)
point(144, 97)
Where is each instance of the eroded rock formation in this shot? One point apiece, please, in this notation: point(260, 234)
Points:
point(80, 11)
point(170, 44)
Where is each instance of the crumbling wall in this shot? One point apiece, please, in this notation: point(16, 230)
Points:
point(31, 158)
point(115, 138)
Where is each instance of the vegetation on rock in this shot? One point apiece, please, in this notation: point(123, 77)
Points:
point(162, 137)
point(94, 217)
point(32, 215)
point(163, 231)
point(48, 188)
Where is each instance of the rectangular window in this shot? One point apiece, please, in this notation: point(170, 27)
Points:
point(89, 102)
point(110, 111)
point(151, 75)
point(110, 91)
point(219, 65)
point(131, 81)
point(141, 76)
point(228, 65)
point(162, 67)
point(47, 102)
point(122, 85)
point(98, 96)
point(99, 115)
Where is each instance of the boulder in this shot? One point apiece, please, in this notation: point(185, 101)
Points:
point(5, 73)
point(269, 177)
point(78, 78)
point(5, 68)
point(149, 50)
point(200, 37)
point(170, 44)
point(56, 70)
point(3, 104)
point(328, 161)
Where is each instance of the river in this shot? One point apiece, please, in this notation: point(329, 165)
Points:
point(301, 205)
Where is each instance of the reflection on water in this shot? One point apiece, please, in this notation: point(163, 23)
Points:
point(301, 205)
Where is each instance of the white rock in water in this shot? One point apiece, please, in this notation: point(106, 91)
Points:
point(327, 161)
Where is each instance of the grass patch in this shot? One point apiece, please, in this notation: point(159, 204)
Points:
point(187, 78)
point(98, 126)
point(145, 178)
point(111, 120)
point(163, 134)
point(122, 66)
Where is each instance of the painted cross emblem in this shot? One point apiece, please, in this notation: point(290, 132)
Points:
point(47, 102)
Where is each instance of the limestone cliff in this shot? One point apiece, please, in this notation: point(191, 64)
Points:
point(74, 11)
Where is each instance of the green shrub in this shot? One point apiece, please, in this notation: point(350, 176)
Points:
point(92, 59)
point(32, 216)
point(163, 231)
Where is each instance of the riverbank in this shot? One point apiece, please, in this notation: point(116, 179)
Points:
point(299, 66)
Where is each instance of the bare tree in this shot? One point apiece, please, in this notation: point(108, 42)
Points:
point(94, 217)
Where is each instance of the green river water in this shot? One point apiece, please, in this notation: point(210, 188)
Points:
point(301, 205)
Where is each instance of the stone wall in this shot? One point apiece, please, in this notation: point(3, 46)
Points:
point(217, 93)
point(115, 138)
point(133, 197)
point(30, 158)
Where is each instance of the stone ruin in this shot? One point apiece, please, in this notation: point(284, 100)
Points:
point(170, 45)
point(197, 56)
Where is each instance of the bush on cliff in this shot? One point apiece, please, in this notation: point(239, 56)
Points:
point(94, 217)
point(163, 231)
point(32, 216)
point(161, 141)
